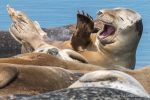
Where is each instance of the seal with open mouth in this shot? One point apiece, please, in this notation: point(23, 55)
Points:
point(111, 39)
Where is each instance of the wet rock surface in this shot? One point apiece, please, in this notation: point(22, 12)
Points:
point(90, 93)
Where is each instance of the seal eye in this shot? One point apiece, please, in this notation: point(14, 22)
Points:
point(121, 18)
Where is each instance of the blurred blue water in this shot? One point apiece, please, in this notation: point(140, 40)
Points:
point(62, 12)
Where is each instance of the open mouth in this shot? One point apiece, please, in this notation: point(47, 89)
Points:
point(108, 30)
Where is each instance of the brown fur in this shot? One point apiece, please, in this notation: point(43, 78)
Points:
point(42, 59)
point(45, 60)
point(27, 60)
point(29, 79)
point(84, 28)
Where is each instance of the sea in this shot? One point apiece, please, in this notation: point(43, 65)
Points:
point(52, 13)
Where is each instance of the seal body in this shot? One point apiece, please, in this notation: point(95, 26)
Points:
point(111, 79)
point(29, 79)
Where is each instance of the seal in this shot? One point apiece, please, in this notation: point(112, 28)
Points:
point(134, 25)
point(82, 93)
point(29, 79)
point(40, 59)
point(23, 25)
point(112, 37)
point(111, 79)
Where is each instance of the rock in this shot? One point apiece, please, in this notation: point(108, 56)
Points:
point(58, 33)
point(90, 93)
point(8, 45)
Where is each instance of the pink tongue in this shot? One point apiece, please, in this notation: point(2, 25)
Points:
point(108, 31)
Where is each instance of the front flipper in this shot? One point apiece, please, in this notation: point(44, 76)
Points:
point(7, 74)
point(24, 29)
point(84, 28)
point(75, 56)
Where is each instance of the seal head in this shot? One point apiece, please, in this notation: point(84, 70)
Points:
point(120, 30)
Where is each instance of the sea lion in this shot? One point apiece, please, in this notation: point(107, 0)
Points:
point(29, 79)
point(22, 25)
point(112, 37)
point(111, 79)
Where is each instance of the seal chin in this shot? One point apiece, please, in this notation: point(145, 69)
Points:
point(106, 33)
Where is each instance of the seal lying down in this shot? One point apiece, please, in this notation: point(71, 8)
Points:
point(111, 79)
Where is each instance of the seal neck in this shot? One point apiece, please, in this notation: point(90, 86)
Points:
point(126, 59)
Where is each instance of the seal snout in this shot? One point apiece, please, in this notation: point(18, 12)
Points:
point(99, 12)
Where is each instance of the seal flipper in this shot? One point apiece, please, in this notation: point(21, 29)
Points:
point(76, 56)
point(26, 47)
point(7, 74)
point(84, 28)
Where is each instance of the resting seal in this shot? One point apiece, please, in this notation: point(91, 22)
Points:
point(110, 40)
point(29, 79)
point(111, 79)
point(142, 75)
point(23, 25)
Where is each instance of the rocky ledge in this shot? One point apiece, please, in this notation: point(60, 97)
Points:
point(90, 93)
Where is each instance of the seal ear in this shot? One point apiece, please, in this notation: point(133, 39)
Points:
point(84, 28)
point(7, 74)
